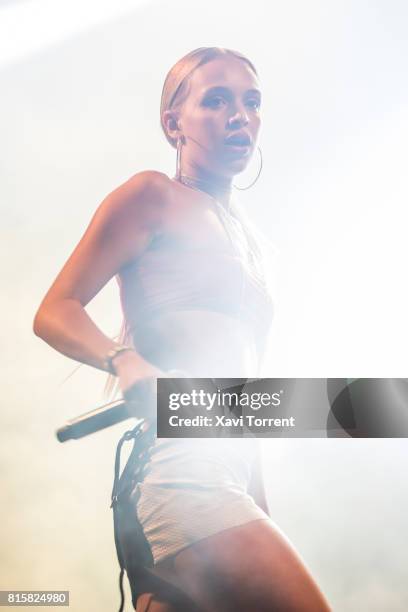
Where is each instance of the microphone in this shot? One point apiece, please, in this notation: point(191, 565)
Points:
point(138, 402)
point(92, 421)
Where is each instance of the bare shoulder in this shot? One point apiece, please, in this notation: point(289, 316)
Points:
point(150, 179)
point(121, 228)
point(141, 198)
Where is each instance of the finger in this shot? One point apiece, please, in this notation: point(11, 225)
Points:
point(140, 398)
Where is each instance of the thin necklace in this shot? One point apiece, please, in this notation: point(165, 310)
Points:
point(203, 186)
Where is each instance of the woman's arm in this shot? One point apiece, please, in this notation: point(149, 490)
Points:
point(119, 231)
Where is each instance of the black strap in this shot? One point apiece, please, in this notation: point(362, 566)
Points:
point(119, 487)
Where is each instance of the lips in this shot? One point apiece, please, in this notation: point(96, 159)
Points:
point(238, 139)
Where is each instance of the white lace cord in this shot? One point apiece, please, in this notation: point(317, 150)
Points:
point(236, 250)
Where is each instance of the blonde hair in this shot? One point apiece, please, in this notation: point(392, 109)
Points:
point(176, 89)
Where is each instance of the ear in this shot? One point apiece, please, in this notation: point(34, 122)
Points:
point(171, 124)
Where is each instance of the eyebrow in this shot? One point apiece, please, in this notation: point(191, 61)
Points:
point(222, 89)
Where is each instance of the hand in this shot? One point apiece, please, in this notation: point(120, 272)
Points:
point(137, 381)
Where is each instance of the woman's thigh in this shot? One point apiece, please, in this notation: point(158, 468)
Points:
point(246, 568)
point(148, 602)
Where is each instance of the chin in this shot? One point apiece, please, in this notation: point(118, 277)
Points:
point(236, 166)
point(230, 167)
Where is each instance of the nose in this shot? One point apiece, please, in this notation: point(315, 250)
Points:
point(239, 118)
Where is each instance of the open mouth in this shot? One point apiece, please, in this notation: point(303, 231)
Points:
point(238, 140)
point(239, 143)
point(238, 149)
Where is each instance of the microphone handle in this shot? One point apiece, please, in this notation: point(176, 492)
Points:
point(93, 421)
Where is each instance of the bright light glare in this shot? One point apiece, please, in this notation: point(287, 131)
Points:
point(28, 27)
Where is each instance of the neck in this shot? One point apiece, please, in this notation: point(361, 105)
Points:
point(219, 188)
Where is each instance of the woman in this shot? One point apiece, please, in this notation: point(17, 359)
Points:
point(193, 299)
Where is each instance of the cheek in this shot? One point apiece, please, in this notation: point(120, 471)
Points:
point(256, 123)
point(204, 120)
point(207, 133)
point(209, 128)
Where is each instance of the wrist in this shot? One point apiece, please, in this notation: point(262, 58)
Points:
point(128, 362)
point(115, 356)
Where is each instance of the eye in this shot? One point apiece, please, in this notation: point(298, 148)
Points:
point(254, 103)
point(214, 102)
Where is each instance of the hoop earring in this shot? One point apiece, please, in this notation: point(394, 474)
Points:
point(257, 176)
point(178, 159)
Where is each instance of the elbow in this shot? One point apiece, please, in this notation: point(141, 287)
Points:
point(40, 321)
point(49, 317)
point(37, 323)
